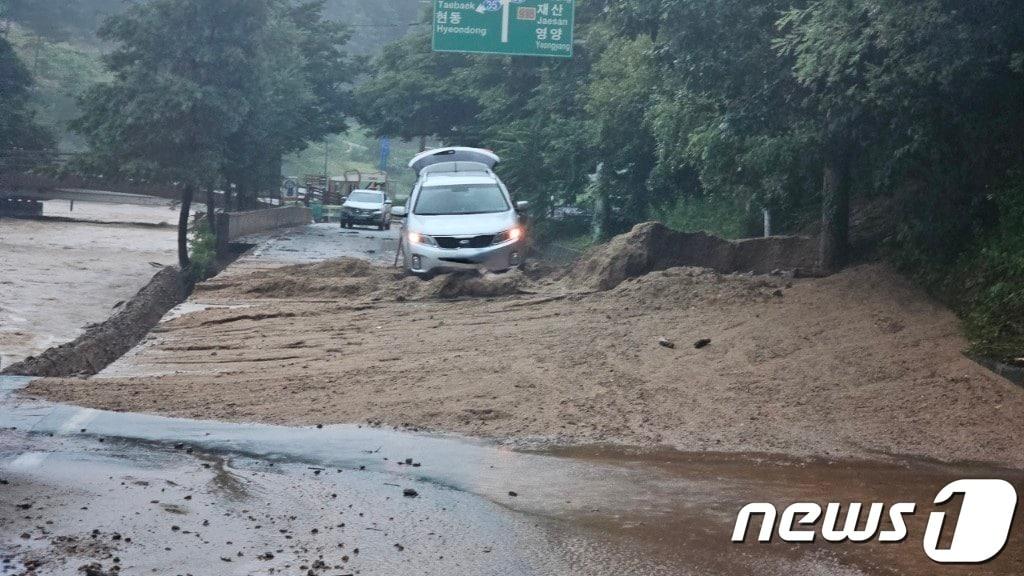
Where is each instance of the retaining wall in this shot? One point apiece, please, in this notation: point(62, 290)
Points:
point(234, 225)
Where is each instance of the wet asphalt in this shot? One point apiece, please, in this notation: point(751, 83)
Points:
point(319, 242)
point(155, 495)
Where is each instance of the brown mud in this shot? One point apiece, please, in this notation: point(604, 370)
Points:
point(857, 364)
point(652, 246)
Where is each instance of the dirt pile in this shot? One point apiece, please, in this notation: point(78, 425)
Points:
point(652, 246)
point(354, 279)
point(693, 287)
point(476, 285)
point(341, 278)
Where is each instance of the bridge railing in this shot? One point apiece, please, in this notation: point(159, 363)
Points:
point(35, 170)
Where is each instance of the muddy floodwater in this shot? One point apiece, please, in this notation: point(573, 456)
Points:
point(167, 496)
point(58, 277)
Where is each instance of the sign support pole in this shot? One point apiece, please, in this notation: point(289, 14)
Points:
point(504, 20)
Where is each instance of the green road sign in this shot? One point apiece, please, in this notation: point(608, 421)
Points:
point(512, 27)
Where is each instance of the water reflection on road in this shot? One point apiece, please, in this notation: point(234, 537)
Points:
point(305, 495)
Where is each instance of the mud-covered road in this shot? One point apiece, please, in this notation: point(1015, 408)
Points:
point(313, 326)
point(303, 381)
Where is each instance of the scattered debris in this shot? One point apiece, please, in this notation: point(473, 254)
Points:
point(93, 569)
point(666, 343)
point(702, 343)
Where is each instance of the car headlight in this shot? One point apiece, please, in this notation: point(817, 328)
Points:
point(421, 239)
point(510, 235)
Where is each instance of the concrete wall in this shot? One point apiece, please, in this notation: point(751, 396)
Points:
point(234, 225)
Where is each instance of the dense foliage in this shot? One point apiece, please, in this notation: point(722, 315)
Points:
point(213, 94)
point(62, 71)
point(704, 112)
point(19, 130)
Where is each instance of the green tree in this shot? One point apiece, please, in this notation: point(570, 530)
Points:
point(180, 68)
point(929, 90)
point(414, 93)
point(300, 92)
point(619, 95)
point(19, 131)
point(728, 119)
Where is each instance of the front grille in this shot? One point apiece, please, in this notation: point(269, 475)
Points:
point(474, 242)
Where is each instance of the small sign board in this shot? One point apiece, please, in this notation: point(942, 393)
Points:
point(510, 27)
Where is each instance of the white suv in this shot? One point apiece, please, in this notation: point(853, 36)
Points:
point(460, 214)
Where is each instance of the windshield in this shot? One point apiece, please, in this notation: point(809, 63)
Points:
point(373, 197)
point(461, 199)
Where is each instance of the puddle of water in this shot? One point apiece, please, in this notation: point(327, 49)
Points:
point(672, 509)
point(9, 384)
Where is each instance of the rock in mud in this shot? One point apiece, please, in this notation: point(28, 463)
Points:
point(93, 569)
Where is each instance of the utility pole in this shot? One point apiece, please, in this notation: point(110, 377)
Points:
point(325, 161)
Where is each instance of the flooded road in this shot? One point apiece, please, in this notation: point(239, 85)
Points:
point(211, 497)
point(317, 243)
point(58, 277)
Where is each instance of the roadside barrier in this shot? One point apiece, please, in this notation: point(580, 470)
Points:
point(234, 225)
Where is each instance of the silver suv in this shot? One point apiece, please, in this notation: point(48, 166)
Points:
point(460, 214)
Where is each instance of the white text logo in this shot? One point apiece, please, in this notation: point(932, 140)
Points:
point(980, 533)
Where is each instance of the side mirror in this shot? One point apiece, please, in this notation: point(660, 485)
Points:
point(522, 205)
point(399, 211)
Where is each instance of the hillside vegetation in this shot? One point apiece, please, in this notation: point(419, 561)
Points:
point(62, 71)
point(706, 112)
point(56, 40)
